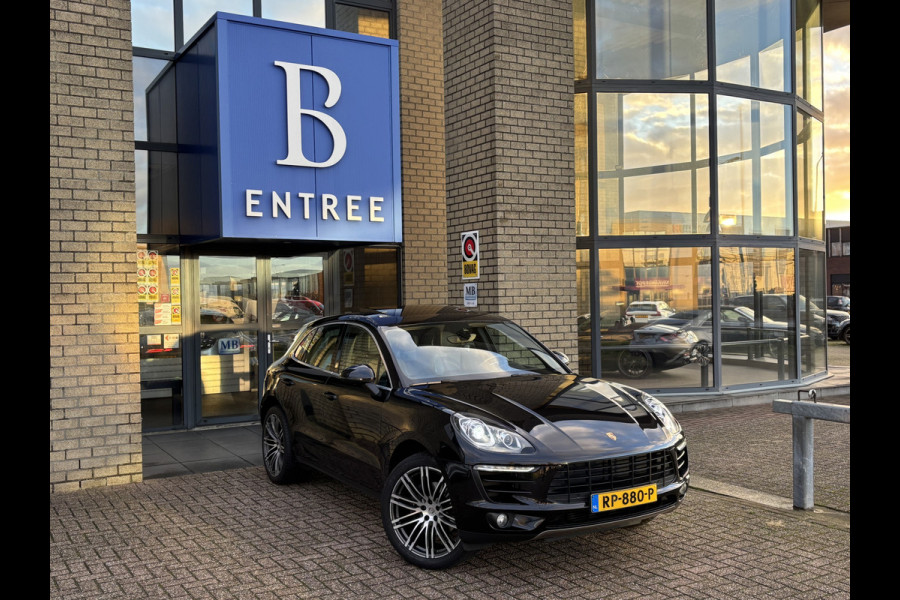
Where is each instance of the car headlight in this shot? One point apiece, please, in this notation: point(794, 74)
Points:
point(488, 437)
point(669, 423)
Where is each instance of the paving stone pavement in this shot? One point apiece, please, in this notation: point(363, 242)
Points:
point(233, 534)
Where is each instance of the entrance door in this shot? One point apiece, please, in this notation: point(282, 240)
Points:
point(297, 296)
point(250, 310)
point(228, 337)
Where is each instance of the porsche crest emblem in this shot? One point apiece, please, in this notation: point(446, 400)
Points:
point(611, 435)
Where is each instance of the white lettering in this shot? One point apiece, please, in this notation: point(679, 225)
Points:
point(306, 198)
point(285, 206)
point(282, 205)
point(295, 113)
point(250, 202)
point(375, 209)
point(352, 207)
point(328, 203)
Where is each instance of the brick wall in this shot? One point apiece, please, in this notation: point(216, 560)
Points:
point(424, 259)
point(95, 410)
point(510, 158)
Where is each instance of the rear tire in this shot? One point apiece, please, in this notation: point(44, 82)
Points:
point(277, 448)
point(845, 335)
point(634, 364)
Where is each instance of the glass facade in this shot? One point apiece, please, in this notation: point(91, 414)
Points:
point(637, 39)
point(754, 167)
point(652, 146)
point(753, 46)
point(699, 192)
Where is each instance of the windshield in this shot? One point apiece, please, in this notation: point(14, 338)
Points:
point(466, 350)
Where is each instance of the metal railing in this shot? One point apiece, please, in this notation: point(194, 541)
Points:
point(803, 415)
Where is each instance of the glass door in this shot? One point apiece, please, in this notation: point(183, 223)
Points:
point(250, 309)
point(228, 338)
point(297, 295)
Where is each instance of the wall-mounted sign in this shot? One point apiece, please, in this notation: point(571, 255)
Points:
point(470, 294)
point(291, 131)
point(470, 254)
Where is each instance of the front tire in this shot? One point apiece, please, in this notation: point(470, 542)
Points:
point(634, 364)
point(845, 335)
point(417, 514)
point(277, 448)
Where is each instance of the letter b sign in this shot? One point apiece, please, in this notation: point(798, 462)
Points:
point(295, 112)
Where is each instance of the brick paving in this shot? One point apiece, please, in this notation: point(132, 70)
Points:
point(232, 534)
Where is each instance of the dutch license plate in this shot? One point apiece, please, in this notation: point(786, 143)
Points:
point(623, 498)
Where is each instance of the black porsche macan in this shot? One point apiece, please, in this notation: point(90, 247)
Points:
point(468, 430)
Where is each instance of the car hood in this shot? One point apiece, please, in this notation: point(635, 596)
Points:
point(558, 413)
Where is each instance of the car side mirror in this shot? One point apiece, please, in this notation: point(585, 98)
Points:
point(562, 357)
point(365, 375)
point(359, 374)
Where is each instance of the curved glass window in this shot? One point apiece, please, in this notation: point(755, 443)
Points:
point(651, 39)
point(755, 167)
point(759, 341)
point(583, 290)
point(809, 42)
point(813, 317)
point(711, 161)
point(582, 217)
point(579, 26)
point(651, 322)
point(652, 163)
point(753, 43)
point(810, 177)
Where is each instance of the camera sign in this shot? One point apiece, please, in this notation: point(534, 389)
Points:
point(470, 254)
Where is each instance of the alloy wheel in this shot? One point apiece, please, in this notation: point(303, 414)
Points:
point(420, 513)
point(274, 444)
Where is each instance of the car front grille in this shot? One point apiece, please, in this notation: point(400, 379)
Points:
point(573, 483)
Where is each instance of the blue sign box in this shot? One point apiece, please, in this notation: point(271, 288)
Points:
point(288, 132)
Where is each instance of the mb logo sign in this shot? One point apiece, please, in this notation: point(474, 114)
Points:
point(470, 254)
point(229, 345)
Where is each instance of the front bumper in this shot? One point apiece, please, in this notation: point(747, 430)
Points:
point(554, 501)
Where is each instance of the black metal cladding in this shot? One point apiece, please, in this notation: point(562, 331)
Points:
point(573, 483)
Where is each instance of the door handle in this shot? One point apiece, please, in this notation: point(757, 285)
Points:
point(331, 395)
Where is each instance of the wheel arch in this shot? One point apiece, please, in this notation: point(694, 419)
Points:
point(404, 450)
point(265, 402)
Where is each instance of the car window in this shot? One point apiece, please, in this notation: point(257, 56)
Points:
point(457, 350)
point(319, 347)
point(730, 316)
point(360, 348)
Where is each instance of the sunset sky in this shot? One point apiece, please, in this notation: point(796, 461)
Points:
point(837, 124)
